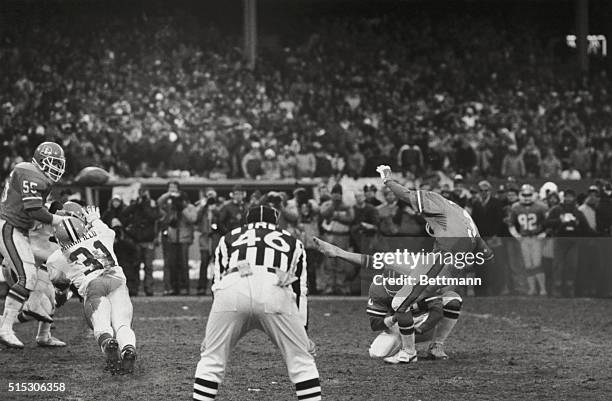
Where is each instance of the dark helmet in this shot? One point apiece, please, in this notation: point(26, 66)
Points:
point(262, 213)
point(49, 158)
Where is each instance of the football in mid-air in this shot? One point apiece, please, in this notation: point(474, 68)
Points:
point(92, 176)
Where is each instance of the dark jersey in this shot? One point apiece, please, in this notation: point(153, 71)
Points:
point(27, 189)
point(528, 219)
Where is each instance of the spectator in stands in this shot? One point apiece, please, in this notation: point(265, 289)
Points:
point(252, 162)
point(370, 195)
point(550, 167)
point(512, 164)
point(355, 162)
point(287, 162)
point(323, 162)
point(410, 158)
point(571, 173)
point(233, 212)
point(465, 157)
point(206, 225)
point(337, 219)
point(141, 226)
point(580, 158)
point(531, 158)
point(306, 163)
point(270, 166)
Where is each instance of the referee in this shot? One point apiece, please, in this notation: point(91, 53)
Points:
point(260, 283)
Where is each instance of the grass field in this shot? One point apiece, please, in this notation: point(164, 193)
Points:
point(502, 349)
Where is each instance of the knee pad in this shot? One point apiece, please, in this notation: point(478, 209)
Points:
point(452, 309)
point(405, 322)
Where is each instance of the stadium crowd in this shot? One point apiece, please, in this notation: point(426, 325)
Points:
point(573, 235)
point(168, 96)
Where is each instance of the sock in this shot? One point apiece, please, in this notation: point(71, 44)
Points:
point(406, 328)
point(11, 310)
point(125, 336)
point(44, 330)
point(204, 390)
point(541, 277)
point(443, 330)
point(531, 283)
point(309, 390)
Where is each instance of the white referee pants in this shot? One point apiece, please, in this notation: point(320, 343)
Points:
point(254, 302)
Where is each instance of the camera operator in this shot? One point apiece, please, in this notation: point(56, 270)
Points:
point(178, 217)
point(232, 213)
point(141, 225)
point(206, 224)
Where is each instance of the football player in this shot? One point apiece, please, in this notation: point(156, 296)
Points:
point(434, 319)
point(21, 204)
point(88, 260)
point(527, 226)
point(454, 232)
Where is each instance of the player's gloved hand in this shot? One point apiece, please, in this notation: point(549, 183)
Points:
point(92, 213)
point(542, 235)
point(384, 171)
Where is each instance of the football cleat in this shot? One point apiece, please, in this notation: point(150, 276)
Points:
point(49, 342)
point(436, 351)
point(402, 356)
point(112, 358)
point(8, 338)
point(128, 359)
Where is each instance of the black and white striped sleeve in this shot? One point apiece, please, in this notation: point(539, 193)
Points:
point(221, 260)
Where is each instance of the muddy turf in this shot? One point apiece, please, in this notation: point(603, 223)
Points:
point(502, 349)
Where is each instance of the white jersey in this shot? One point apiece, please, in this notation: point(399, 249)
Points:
point(88, 258)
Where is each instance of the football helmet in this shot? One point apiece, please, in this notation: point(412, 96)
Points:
point(73, 209)
point(49, 158)
point(69, 230)
point(527, 194)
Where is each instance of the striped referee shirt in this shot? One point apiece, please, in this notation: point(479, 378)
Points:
point(265, 246)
